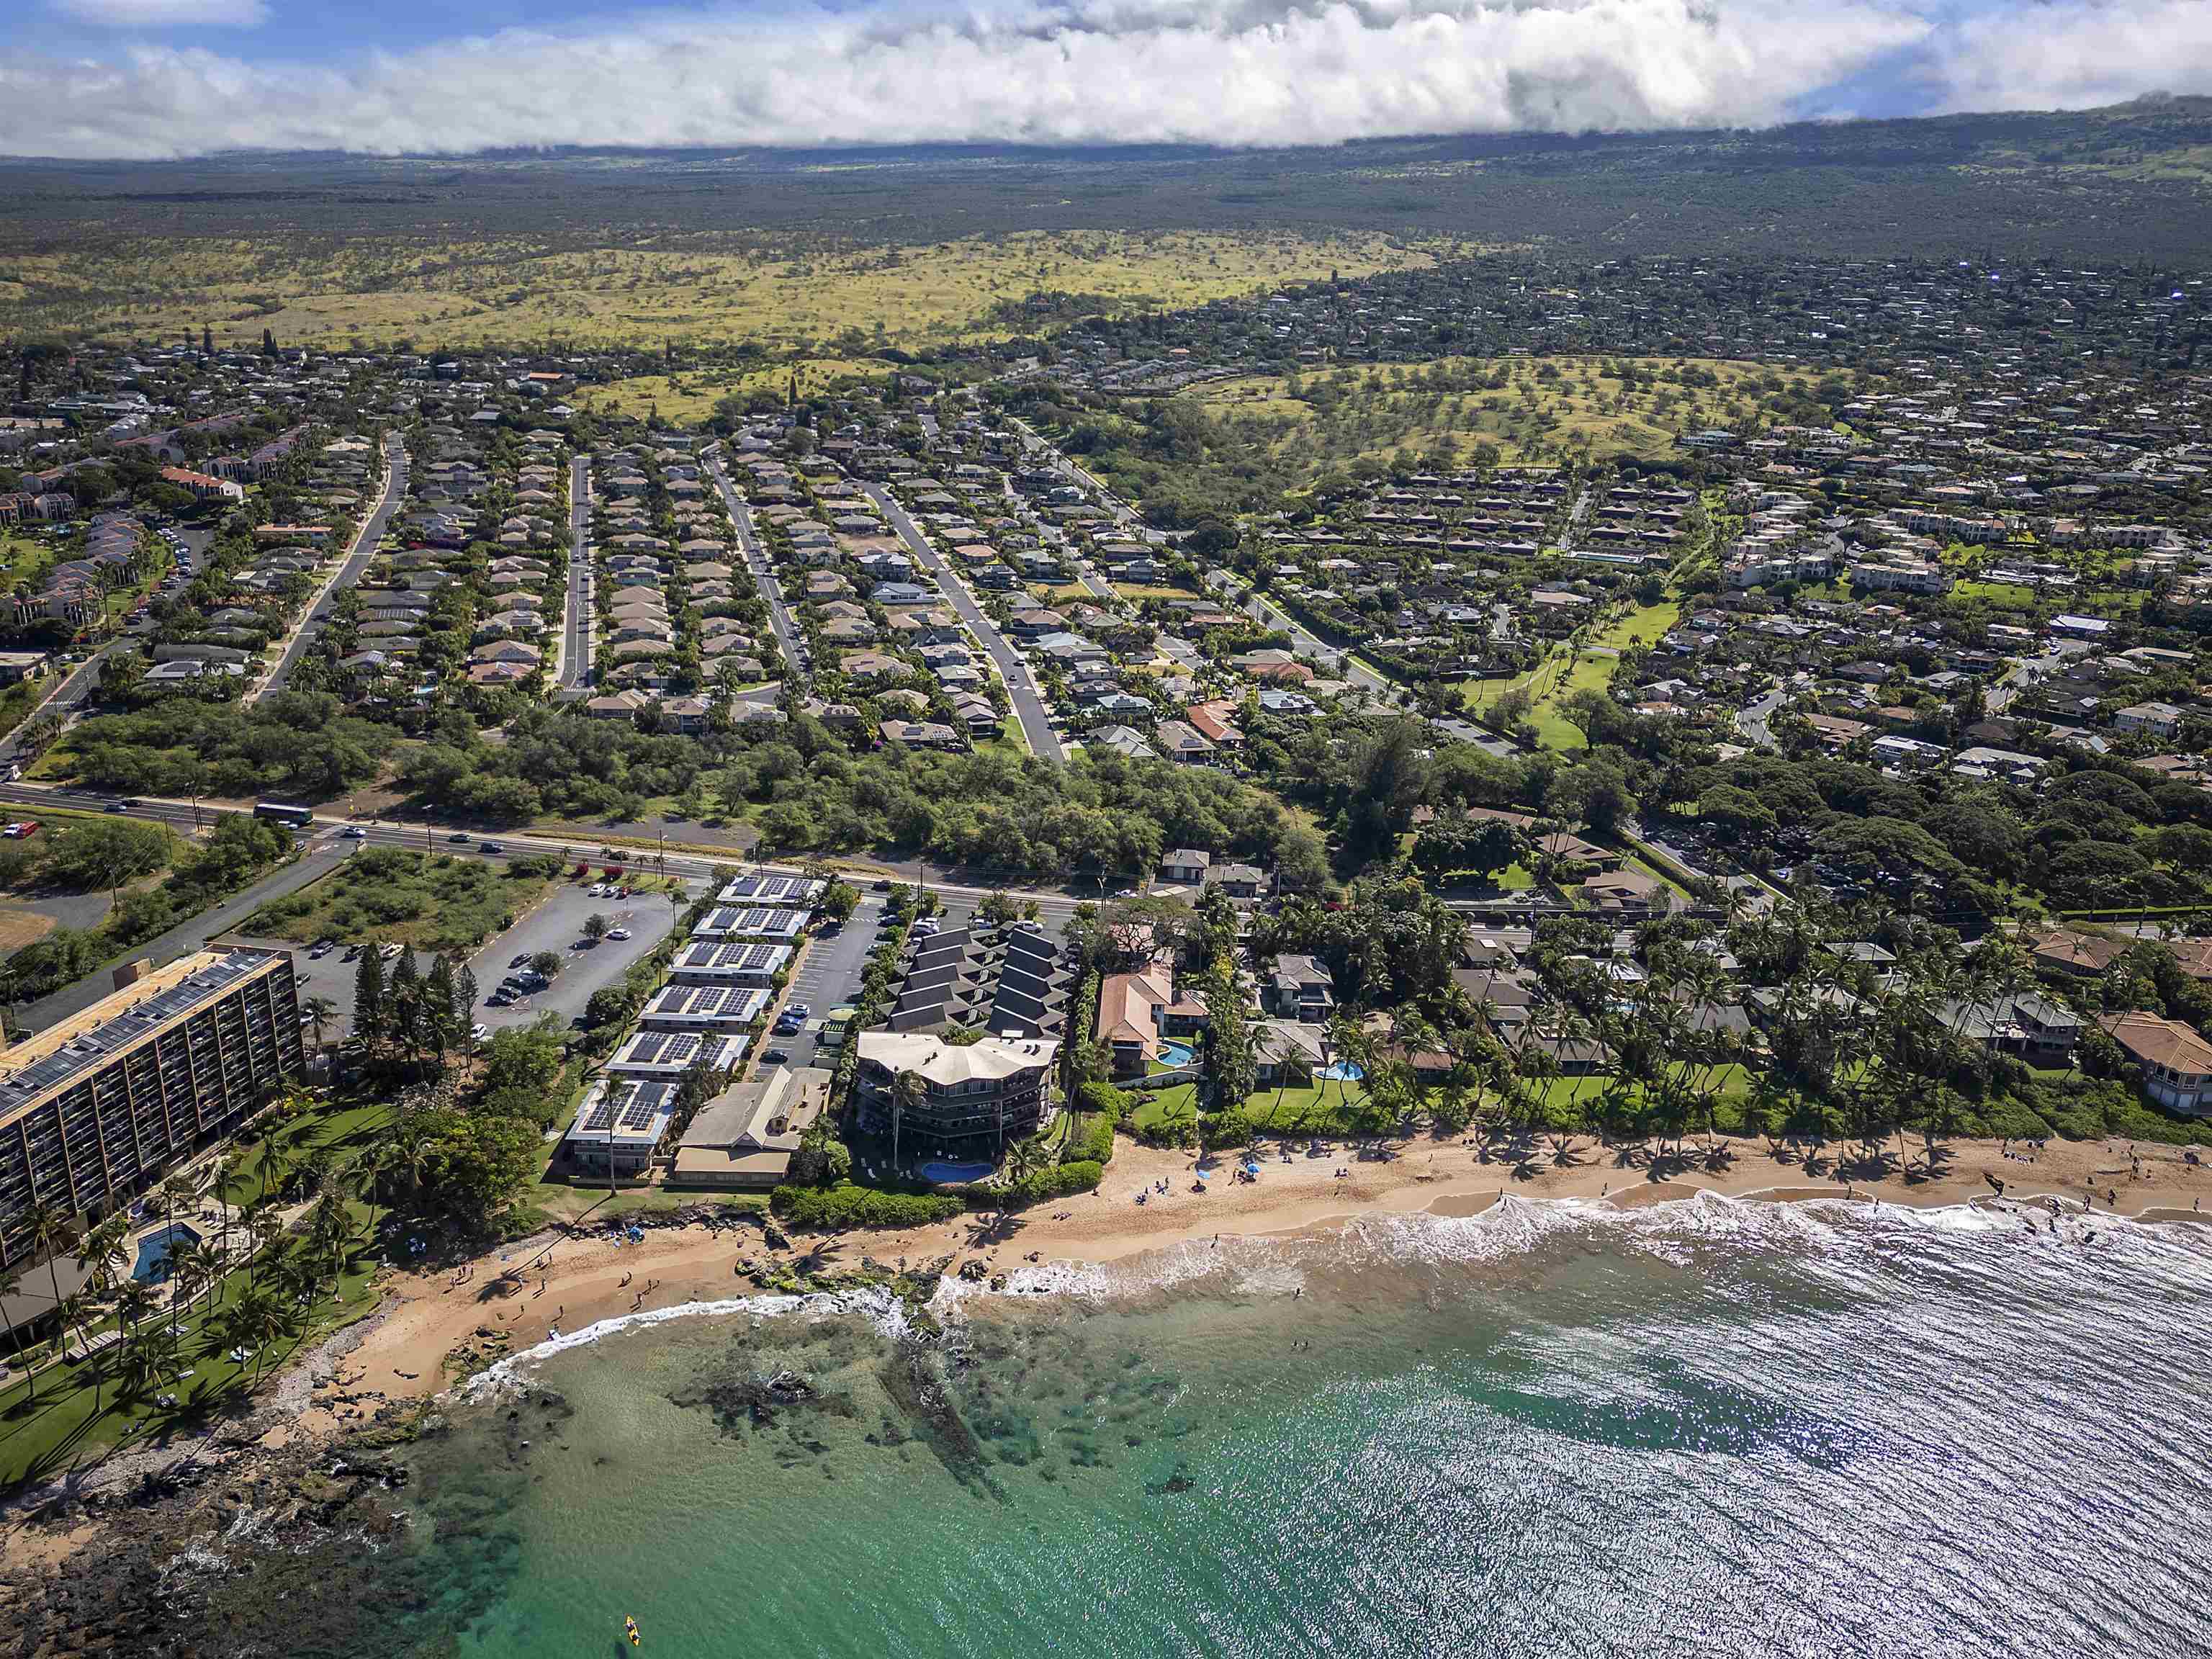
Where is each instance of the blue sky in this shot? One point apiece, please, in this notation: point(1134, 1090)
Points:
point(159, 78)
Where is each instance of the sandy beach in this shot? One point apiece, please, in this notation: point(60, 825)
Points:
point(409, 1350)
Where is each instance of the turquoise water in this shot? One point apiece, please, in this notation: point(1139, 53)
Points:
point(152, 1266)
point(1708, 1428)
point(945, 1173)
point(1177, 1054)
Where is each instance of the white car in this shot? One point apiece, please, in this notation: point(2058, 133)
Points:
point(478, 1033)
point(618, 933)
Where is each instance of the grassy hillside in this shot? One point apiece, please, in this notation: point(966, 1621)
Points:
point(379, 291)
point(1528, 411)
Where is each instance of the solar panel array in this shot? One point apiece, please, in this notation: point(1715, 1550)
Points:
point(706, 1002)
point(90, 1050)
point(676, 1048)
point(748, 956)
point(628, 1107)
point(750, 918)
point(769, 887)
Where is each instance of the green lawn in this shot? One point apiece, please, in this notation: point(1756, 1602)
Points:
point(67, 1421)
point(1296, 1111)
point(1642, 626)
point(2007, 596)
point(1554, 729)
point(432, 900)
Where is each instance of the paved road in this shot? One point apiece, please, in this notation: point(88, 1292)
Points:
point(1081, 477)
point(1021, 688)
point(352, 571)
point(1308, 643)
point(1754, 720)
point(764, 578)
point(1054, 906)
point(183, 938)
point(829, 977)
point(2025, 671)
point(576, 635)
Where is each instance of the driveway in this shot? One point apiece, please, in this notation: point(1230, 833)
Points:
point(828, 976)
point(555, 925)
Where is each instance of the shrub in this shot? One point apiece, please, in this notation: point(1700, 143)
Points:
point(1092, 1141)
point(1061, 1181)
point(826, 1208)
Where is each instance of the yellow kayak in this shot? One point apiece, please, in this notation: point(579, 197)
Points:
point(629, 1629)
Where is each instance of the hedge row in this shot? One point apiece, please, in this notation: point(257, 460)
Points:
point(1061, 1181)
point(1092, 1141)
point(824, 1208)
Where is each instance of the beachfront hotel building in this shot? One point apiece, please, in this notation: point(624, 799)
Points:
point(96, 1109)
point(975, 1097)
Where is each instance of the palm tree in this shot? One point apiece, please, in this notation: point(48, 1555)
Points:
point(252, 1322)
point(134, 1301)
point(74, 1309)
point(320, 1011)
point(52, 1230)
point(908, 1093)
point(152, 1356)
point(199, 1268)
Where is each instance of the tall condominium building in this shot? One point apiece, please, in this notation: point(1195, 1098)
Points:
point(99, 1106)
point(973, 1098)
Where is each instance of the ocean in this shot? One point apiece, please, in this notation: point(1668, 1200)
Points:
point(1708, 1427)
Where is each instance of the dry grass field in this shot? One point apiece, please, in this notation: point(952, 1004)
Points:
point(1531, 409)
point(379, 292)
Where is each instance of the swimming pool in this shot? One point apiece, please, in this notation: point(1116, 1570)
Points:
point(1343, 1071)
point(1177, 1054)
point(944, 1173)
point(155, 1249)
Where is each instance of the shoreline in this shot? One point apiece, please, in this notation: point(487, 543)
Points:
point(431, 1333)
point(434, 1330)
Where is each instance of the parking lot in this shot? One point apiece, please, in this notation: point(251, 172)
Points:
point(557, 925)
point(829, 977)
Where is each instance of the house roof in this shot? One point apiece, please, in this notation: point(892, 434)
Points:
point(2151, 1040)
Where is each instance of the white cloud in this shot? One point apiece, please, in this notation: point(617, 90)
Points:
point(165, 14)
point(1082, 72)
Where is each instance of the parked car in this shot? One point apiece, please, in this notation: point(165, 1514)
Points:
point(618, 933)
point(517, 958)
point(774, 1057)
point(799, 1010)
point(479, 1032)
point(320, 949)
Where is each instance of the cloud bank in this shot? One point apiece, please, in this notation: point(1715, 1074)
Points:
point(165, 14)
point(1232, 72)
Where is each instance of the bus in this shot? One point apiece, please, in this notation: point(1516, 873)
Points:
point(277, 811)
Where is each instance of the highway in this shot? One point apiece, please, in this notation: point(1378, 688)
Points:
point(764, 578)
point(577, 625)
point(355, 567)
point(1029, 706)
